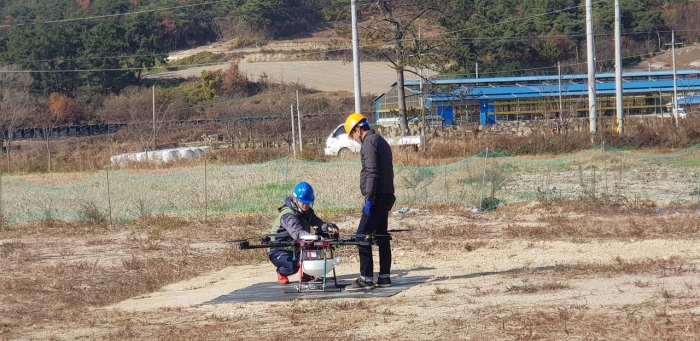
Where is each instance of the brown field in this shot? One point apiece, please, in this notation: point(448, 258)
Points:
point(329, 75)
point(543, 270)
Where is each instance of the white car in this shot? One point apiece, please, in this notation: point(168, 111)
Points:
point(681, 112)
point(338, 143)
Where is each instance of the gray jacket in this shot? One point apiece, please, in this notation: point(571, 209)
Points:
point(377, 175)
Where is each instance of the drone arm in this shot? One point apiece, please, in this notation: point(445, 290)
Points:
point(352, 242)
point(247, 246)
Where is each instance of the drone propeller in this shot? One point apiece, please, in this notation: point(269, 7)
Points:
point(240, 240)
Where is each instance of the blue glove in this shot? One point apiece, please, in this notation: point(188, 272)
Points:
point(368, 205)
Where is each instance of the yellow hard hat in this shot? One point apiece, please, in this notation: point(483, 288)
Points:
point(352, 121)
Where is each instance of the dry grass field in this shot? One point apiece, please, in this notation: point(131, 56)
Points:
point(541, 270)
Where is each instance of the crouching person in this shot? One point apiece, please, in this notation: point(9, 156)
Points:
point(295, 220)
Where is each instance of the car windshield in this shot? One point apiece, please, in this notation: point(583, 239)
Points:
point(339, 131)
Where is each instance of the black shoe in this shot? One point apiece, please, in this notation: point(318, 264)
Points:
point(358, 285)
point(384, 282)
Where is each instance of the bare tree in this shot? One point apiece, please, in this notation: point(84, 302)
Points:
point(16, 103)
point(135, 106)
point(231, 111)
point(59, 108)
point(396, 22)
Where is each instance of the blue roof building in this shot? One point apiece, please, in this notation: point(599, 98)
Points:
point(487, 100)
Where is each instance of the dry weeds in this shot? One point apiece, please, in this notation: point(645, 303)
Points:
point(58, 278)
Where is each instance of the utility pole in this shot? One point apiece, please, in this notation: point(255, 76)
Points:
point(590, 44)
point(561, 108)
point(675, 82)
point(154, 118)
point(356, 58)
point(420, 86)
point(301, 146)
point(618, 69)
point(421, 65)
point(476, 66)
point(294, 140)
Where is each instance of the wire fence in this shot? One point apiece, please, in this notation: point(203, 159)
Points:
point(483, 182)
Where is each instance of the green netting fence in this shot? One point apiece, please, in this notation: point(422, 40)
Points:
point(483, 181)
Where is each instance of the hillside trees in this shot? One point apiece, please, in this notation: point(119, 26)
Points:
point(684, 17)
point(32, 11)
point(279, 18)
point(102, 58)
point(508, 37)
point(190, 26)
point(334, 10)
point(132, 46)
point(503, 38)
point(51, 51)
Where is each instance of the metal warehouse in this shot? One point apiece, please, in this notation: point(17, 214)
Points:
point(489, 100)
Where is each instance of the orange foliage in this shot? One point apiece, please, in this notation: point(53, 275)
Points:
point(213, 115)
point(84, 4)
point(136, 3)
point(60, 106)
point(235, 81)
point(182, 2)
point(169, 25)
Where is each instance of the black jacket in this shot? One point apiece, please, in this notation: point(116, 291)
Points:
point(377, 175)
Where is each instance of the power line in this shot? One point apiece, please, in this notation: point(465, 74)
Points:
point(538, 68)
point(112, 15)
point(287, 10)
point(110, 69)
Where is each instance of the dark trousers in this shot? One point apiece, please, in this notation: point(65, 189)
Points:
point(284, 262)
point(376, 223)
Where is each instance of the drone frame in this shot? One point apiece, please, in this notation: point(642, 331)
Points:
point(325, 244)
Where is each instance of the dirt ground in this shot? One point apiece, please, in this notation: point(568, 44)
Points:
point(558, 270)
point(376, 77)
point(687, 58)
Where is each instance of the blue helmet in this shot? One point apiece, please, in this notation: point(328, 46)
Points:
point(304, 193)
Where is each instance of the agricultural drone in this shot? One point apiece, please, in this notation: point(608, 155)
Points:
point(315, 255)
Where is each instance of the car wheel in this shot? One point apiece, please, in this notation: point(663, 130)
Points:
point(344, 152)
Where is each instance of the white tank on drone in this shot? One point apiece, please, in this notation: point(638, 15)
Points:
point(319, 267)
point(313, 261)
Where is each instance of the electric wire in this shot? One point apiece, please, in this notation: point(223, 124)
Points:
point(103, 16)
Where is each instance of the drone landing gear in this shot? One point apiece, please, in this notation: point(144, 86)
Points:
point(316, 259)
point(324, 285)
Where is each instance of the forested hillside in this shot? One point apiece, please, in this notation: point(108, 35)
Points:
point(117, 39)
point(80, 49)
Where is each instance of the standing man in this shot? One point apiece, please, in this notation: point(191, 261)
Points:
point(377, 186)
